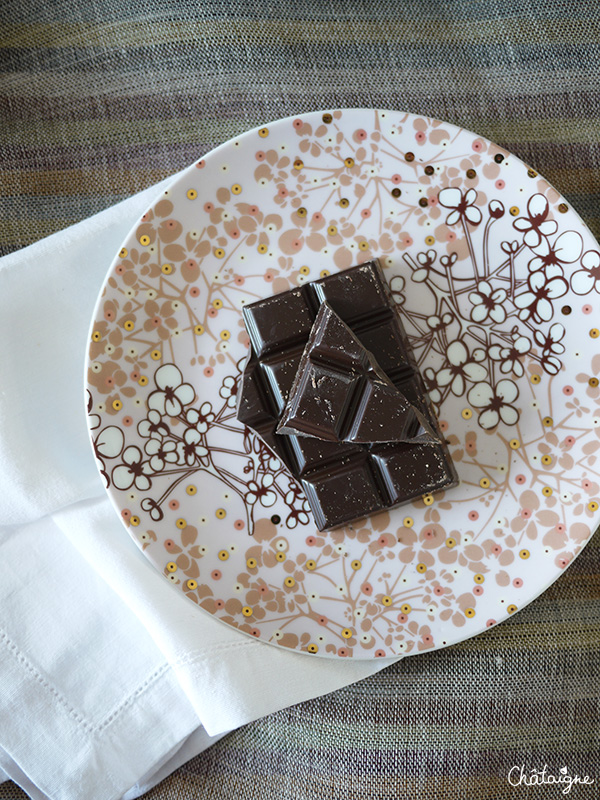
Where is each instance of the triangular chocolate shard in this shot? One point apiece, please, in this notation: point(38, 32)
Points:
point(385, 415)
point(340, 393)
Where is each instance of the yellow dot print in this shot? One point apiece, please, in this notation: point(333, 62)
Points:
point(166, 269)
point(546, 460)
point(514, 444)
point(192, 194)
point(191, 489)
point(251, 563)
point(363, 245)
point(347, 633)
point(191, 584)
point(511, 608)
point(524, 554)
point(469, 612)
point(280, 556)
point(143, 381)
point(181, 523)
point(225, 335)
point(356, 564)
point(546, 491)
point(594, 333)
point(123, 252)
point(312, 648)
point(301, 212)
point(310, 564)
point(349, 162)
point(220, 513)
point(593, 382)
point(236, 188)
point(263, 133)
point(421, 568)
point(344, 202)
point(408, 522)
point(262, 248)
point(289, 582)
point(304, 270)
point(223, 555)
point(428, 499)
point(513, 211)
point(484, 483)
point(198, 330)
point(406, 608)
point(155, 355)
point(129, 325)
point(593, 505)
point(219, 252)
point(117, 405)
point(547, 422)
point(478, 578)
point(247, 611)
point(386, 600)
point(96, 336)
point(324, 273)
point(429, 240)
point(450, 542)
point(332, 230)
point(466, 413)
point(135, 521)
point(171, 566)
point(535, 378)
point(144, 240)
point(298, 163)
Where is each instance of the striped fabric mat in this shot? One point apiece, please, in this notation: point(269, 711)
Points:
point(100, 99)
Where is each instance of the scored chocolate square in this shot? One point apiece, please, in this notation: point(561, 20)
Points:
point(342, 480)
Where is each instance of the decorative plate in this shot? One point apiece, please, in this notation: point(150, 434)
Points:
point(498, 281)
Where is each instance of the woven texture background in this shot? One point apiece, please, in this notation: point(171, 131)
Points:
point(101, 98)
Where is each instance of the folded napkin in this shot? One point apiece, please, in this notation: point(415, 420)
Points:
point(109, 678)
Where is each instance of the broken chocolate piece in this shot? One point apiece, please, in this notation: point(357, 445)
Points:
point(342, 480)
point(341, 394)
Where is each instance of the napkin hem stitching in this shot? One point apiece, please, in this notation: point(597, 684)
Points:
point(22, 659)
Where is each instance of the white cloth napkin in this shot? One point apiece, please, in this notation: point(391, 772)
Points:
point(109, 679)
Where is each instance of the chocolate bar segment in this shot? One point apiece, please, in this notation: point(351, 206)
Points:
point(341, 394)
point(342, 480)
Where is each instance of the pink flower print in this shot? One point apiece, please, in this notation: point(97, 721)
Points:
point(495, 403)
point(461, 367)
point(487, 302)
point(565, 250)
point(588, 278)
point(463, 206)
point(133, 471)
point(542, 288)
point(536, 224)
point(172, 393)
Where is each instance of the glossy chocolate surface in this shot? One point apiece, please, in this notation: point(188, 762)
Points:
point(341, 394)
point(342, 480)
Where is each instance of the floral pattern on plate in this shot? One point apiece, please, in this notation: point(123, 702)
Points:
point(497, 280)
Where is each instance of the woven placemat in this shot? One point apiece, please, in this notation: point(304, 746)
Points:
point(102, 99)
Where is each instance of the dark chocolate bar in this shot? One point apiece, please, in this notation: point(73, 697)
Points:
point(341, 394)
point(342, 480)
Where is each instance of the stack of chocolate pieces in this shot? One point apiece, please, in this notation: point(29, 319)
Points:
point(331, 386)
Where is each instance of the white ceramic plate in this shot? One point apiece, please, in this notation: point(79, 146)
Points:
point(498, 280)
